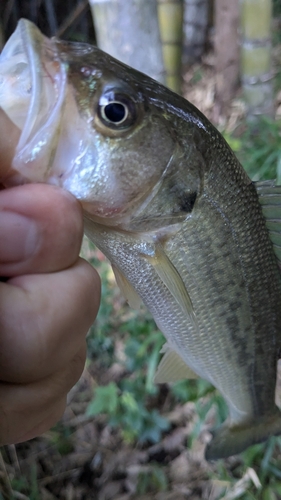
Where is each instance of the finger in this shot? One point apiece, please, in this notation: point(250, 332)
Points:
point(46, 421)
point(29, 410)
point(52, 317)
point(41, 229)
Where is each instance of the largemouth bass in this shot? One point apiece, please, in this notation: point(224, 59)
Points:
point(166, 200)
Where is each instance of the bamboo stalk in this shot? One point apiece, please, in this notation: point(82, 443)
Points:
point(170, 16)
point(256, 65)
point(128, 30)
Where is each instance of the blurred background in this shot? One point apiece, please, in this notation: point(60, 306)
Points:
point(122, 437)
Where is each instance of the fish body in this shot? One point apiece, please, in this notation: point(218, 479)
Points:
point(168, 203)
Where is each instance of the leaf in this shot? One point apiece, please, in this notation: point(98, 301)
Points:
point(276, 487)
point(105, 400)
point(268, 494)
point(274, 470)
point(128, 401)
point(270, 445)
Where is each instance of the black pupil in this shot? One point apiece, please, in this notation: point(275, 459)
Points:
point(115, 112)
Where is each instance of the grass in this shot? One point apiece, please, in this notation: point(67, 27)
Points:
point(259, 149)
point(125, 401)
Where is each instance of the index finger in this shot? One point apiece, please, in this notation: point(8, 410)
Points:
point(41, 229)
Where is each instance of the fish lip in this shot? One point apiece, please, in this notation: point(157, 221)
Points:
point(30, 52)
point(33, 43)
point(47, 79)
point(20, 49)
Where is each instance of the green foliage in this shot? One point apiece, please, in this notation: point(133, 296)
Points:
point(126, 403)
point(152, 481)
point(191, 390)
point(105, 401)
point(205, 396)
point(61, 438)
point(27, 485)
point(100, 341)
point(125, 408)
point(265, 460)
point(276, 8)
point(234, 142)
point(197, 76)
point(259, 149)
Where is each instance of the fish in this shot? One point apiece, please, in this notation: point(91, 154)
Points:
point(187, 232)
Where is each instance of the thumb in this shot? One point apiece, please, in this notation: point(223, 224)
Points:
point(9, 137)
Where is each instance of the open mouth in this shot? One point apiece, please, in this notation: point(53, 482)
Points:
point(32, 91)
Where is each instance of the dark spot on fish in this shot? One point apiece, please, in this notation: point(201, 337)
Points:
point(235, 305)
point(226, 254)
point(238, 339)
point(233, 326)
point(187, 202)
point(201, 143)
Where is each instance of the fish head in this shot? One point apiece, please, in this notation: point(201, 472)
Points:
point(97, 128)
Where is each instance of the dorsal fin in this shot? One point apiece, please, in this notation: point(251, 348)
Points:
point(270, 200)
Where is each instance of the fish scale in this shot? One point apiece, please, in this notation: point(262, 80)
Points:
point(211, 311)
point(261, 275)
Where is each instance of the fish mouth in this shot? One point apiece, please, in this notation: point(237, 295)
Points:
point(32, 91)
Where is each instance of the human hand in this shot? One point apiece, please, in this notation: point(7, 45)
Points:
point(47, 305)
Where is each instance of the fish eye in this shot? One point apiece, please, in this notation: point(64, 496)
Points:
point(116, 111)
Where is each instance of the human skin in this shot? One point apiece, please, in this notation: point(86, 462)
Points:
point(48, 301)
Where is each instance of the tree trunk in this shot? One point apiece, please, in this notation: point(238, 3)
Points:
point(256, 72)
point(226, 55)
point(129, 31)
point(170, 15)
point(195, 29)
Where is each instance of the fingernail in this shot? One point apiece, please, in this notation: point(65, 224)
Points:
point(18, 237)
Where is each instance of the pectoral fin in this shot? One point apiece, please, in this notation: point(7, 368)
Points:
point(127, 289)
point(173, 281)
point(172, 367)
